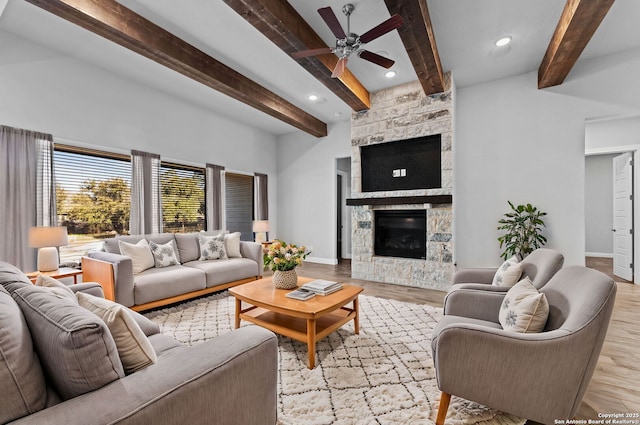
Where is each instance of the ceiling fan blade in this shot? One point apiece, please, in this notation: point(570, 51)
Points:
point(376, 58)
point(311, 52)
point(339, 69)
point(389, 25)
point(332, 22)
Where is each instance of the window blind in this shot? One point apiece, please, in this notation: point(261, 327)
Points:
point(92, 197)
point(239, 204)
point(183, 199)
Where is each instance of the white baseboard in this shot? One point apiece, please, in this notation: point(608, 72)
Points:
point(598, 254)
point(321, 260)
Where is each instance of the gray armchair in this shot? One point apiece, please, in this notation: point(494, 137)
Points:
point(539, 266)
point(537, 376)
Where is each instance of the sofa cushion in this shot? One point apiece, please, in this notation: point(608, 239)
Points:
point(111, 244)
point(23, 384)
point(232, 245)
point(188, 245)
point(524, 309)
point(134, 348)
point(56, 286)
point(164, 255)
point(140, 254)
point(76, 349)
point(225, 271)
point(508, 273)
point(212, 247)
point(155, 284)
point(12, 277)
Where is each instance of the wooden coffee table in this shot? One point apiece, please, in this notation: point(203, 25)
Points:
point(305, 321)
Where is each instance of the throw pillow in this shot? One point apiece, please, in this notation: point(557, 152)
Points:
point(232, 245)
point(524, 309)
point(164, 255)
point(75, 347)
point(23, 384)
point(212, 247)
point(508, 273)
point(55, 286)
point(140, 254)
point(134, 347)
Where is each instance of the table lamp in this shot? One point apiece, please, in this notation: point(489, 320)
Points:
point(48, 239)
point(260, 228)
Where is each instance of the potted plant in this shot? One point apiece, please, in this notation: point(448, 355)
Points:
point(282, 259)
point(523, 227)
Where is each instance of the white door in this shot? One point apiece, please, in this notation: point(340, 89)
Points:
point(623, 216)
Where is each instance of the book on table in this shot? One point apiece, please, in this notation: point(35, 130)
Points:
point(301, 294)
point(322, 287)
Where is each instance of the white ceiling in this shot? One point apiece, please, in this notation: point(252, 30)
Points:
point(465, 31)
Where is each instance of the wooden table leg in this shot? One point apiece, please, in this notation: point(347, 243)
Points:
point(356, 319)
point(238, 308)
point(311, 342)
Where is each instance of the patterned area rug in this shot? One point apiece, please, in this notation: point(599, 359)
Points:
point(384, 375)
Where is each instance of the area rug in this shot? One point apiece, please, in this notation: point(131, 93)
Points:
point(384, 375)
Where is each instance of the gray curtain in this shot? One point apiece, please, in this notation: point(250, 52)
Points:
point(146, 206)
point(213, 183)
point(20, 183)
point(261, 199)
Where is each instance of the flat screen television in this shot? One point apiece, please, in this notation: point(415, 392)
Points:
point(402, 165)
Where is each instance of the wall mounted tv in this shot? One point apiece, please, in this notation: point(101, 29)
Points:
point(402, 165)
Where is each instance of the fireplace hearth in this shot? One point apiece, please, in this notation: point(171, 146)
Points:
point(401, 233)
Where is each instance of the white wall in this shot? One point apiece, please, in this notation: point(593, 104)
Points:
point(44, 91)
point(307, 189)
point(515, 142)
point(599, 205)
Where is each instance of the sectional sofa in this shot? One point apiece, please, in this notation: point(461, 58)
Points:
point(156, 287)
point(61, 364)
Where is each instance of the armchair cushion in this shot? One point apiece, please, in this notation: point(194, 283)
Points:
point(140, 254)
point(76, 349)
point(508, 273)
point(134, 348)
point(23, 385)
point(524, 309)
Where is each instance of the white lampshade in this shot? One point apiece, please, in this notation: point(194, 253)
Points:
point(47, 239)
point(260, 226)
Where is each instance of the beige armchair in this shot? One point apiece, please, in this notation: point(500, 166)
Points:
point(537, 376)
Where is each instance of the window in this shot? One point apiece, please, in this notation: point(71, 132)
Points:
point(239, 204)
point(182, 192)
point(93, 199)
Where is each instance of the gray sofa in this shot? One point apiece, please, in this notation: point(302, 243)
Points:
point(230, 380)
point(156, 287)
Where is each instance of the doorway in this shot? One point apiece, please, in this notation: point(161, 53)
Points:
point(343, 212)
point(609, 212)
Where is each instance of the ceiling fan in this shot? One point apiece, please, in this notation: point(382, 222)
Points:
point(349, 43)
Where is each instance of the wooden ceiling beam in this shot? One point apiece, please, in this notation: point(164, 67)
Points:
point(111, 20)
point(420, 43)
point(579, 21)
point(284, 26)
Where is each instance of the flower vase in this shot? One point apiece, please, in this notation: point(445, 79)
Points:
point(287, 279)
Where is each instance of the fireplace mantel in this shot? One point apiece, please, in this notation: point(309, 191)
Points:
point(400, 200)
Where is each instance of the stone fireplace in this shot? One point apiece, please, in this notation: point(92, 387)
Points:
point(397, 114)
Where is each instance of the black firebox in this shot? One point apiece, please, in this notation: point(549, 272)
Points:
point(401, 233)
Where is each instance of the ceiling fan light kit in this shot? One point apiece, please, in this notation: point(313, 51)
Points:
point(350, 43)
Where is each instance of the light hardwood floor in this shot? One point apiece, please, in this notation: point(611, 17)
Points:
point(614, 387)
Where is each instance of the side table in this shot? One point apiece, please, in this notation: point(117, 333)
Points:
point(57, 274)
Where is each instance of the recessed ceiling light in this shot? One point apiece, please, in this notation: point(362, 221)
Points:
point(316, 98)
point(503, 41)
point(390, 74)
